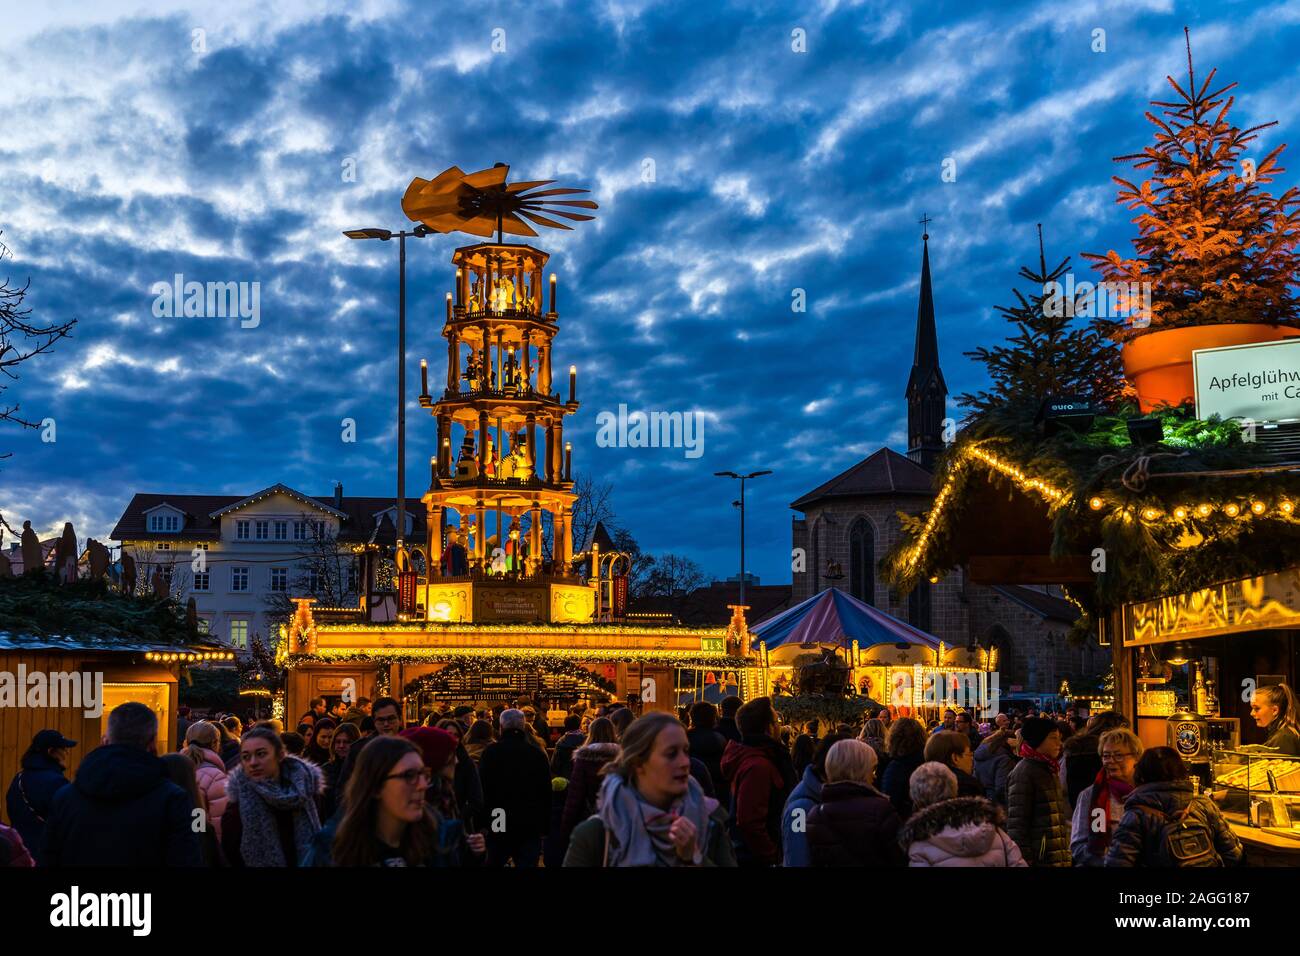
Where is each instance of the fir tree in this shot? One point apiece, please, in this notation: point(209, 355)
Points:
point(1051, 352)
point(1214, 246)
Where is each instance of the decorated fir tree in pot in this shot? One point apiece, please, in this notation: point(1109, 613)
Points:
point(1215, 254)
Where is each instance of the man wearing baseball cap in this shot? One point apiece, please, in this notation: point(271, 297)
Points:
point(32, 791)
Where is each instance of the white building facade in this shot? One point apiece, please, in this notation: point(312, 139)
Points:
point(242, 559)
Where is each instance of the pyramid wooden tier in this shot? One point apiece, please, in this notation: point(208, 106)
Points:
point(502, 469)
point(501, 279)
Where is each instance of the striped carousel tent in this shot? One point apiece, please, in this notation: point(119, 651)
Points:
point(836, 619)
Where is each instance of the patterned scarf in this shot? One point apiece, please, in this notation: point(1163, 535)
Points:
point(1029, 753)
point(295, 790)
point(1104, 790)
point(637, 832)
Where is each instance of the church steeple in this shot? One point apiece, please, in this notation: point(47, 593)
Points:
point(926, 391)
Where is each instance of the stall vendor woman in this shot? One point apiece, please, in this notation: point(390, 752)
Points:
point(1275, 711)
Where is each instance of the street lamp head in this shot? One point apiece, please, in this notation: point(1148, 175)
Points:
point(368, 234)
point(725, 474)
point(421, 231)
point(758, 474)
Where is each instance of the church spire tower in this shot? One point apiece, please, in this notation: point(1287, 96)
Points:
point(926, 391)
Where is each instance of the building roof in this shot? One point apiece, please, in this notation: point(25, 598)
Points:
point(884, 473)
point(203, 515)
point(708, 606)
point(1047, 606)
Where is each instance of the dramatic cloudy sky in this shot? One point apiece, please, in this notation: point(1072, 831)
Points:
point(128, 156)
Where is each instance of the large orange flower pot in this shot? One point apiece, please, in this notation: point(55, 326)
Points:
point(1159, 364)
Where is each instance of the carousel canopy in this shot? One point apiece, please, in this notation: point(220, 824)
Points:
point(835, 619)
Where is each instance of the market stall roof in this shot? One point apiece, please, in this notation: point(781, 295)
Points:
point(105, 644)
point(837, 619)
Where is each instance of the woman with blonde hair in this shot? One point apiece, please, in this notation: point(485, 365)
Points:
point(202, 741)
point(1276, 713)
point(855, 824)
point(651, 811)
point(1100, 806)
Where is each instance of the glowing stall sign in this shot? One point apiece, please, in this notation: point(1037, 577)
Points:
point(1251, 604)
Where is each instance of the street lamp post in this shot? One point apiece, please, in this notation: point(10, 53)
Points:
point(743, 479)
point(419, 232)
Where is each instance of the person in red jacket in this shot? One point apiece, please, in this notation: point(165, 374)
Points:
point(761, 775)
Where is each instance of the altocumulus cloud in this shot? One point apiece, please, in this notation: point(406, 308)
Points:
point(131, 157)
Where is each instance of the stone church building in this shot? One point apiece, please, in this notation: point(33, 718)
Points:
point(850, 522)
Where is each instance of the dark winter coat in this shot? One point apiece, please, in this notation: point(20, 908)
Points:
point(468, 785)
point(967, 785)
point(1137, 840)
point(30, 799)
point(331, 799)
point(121, 810)
point(708, 746)
point(1038, 818)
point(516, 778)
point(897, 777)
point(794, 838)
point(562, 759)
point(994, 762)
point(728, 728)
point(854, 825)
point(965, 831)
point(587, 845)
point(584, 784)
point(1080, 764)
point(760, 777)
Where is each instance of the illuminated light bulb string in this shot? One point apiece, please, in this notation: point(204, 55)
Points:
point(1282, 508)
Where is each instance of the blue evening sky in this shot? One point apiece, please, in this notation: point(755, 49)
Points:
point(129, 156)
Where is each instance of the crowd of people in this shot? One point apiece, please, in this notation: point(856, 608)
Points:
point(710, 786)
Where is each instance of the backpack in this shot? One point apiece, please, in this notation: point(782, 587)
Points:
point(1182, 844)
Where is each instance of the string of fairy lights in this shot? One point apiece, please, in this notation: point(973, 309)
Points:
point(1233, 508)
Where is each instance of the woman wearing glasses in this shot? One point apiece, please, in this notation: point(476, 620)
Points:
point(387, 821)
point(1100, 806)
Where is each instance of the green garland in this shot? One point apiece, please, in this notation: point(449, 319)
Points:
point(823, 707)
point(462, 666)
point(1144, 558)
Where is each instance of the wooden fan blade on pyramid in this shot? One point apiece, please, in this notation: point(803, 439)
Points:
point(482, 202)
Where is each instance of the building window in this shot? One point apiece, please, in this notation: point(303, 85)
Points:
point(202, 580)
point(164, 522)
point(239, 633)
point(918, 607)
point(163, 546)
point(352, 579)
point(282, 531)
point(279, 579)
point(239, 579)
point(166, 571)
point(263, 530)
point(315, 581)
point(300, 531)
point(241, 530)
point(862, 562)
point(202, 547)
